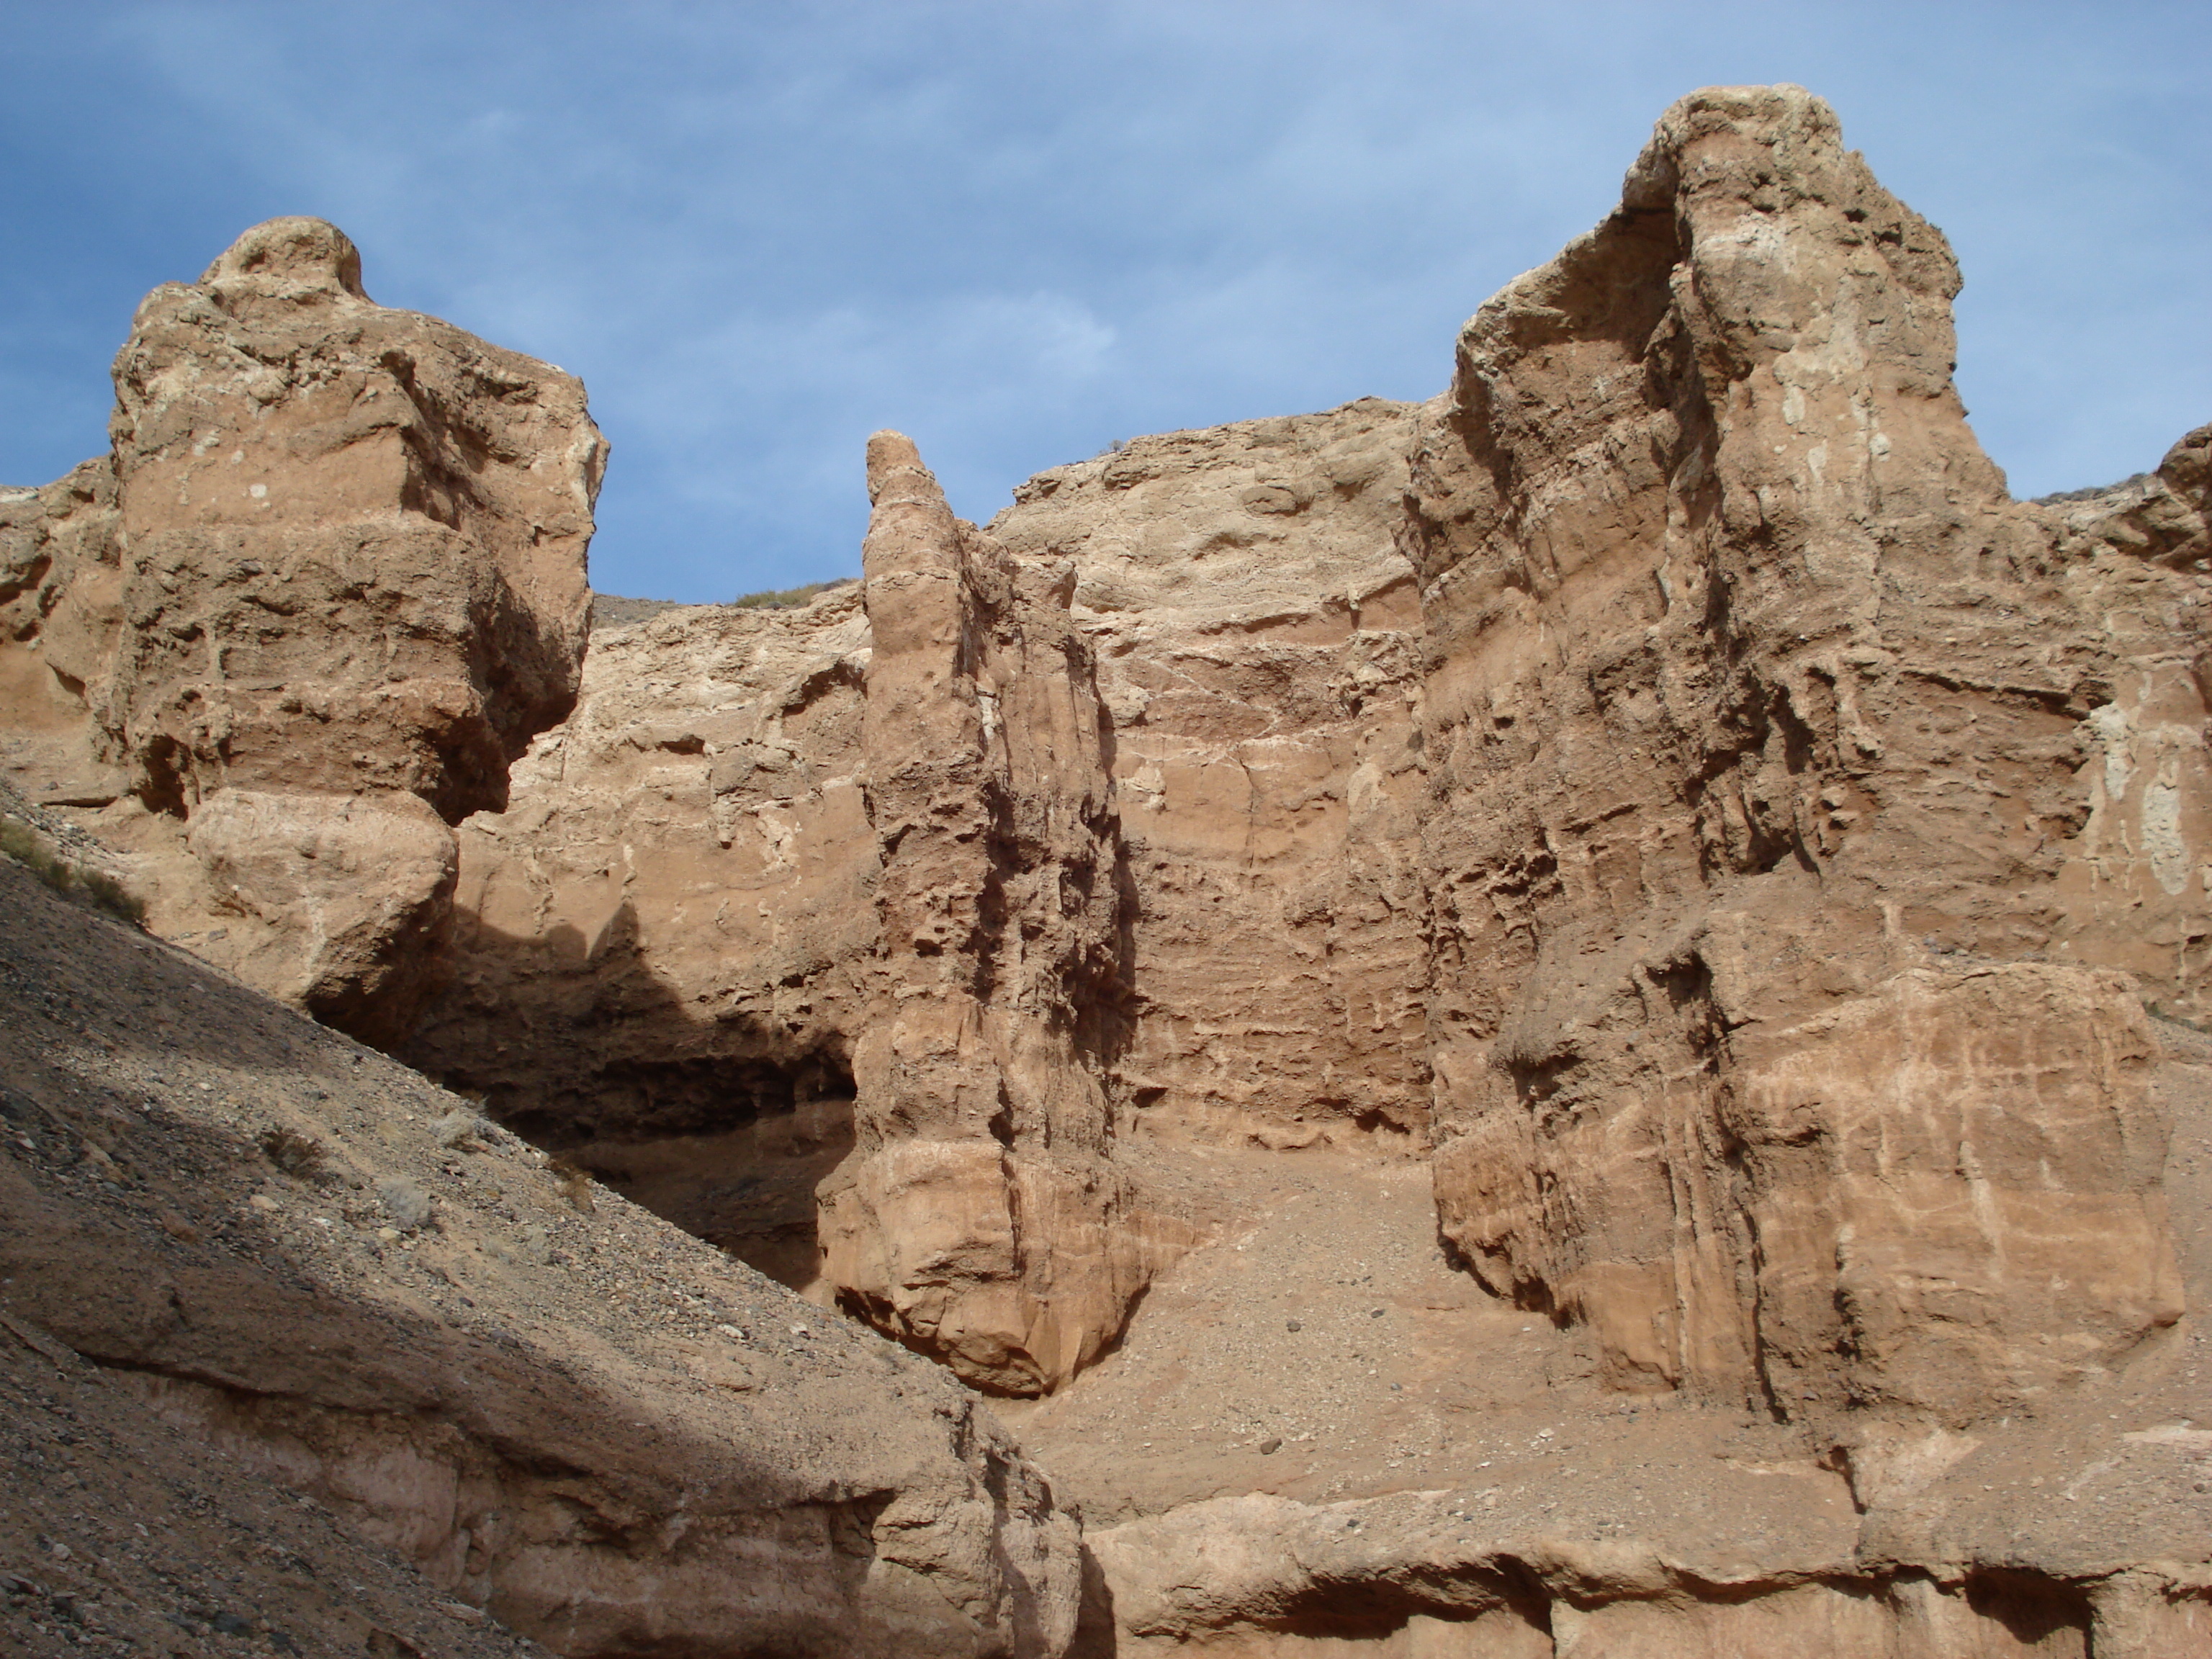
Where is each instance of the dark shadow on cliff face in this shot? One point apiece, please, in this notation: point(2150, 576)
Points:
point(206, 1231)
point(721, 1123)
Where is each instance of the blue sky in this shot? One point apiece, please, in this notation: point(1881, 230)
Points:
point(1018, 231)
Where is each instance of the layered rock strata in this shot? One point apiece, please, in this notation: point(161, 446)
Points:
point(561, 1410)
point(664, 934)
point(1655, 774)
point(1666, 781)
point(1258, 640)
point(326, 588)
point(981, 1216)
point(1765, 873)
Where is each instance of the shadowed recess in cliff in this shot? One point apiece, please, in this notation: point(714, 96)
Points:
point(723, 1127)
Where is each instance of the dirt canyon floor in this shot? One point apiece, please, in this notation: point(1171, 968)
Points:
point(1565, 1022)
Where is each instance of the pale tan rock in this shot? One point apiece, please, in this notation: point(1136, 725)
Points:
point(354, 893)
point(981, 1216)
point(1257, 637)
point(355, 537)
point(664, 932)
point(1424, 1576)
point(61, 608)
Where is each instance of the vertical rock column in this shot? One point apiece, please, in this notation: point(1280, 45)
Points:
point(980, 1217)
point(352, 587)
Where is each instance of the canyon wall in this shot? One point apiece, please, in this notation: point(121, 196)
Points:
point(1639, 774)
point(1665, 784)
point(1258, 640)
point(1641, 781)
point(1791, 792)
point(563, 1410)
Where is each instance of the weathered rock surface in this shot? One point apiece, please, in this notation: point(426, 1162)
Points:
point(61, 610)
point(665, 933)
point(558, 1407)
point(1317, 1438)
point(1715, 723)
point(355, 537)
point(1755, 726)
point(1258, 641)
point(354, 895)
point(1665, 785)
point(336, 555)
point(981, 1216)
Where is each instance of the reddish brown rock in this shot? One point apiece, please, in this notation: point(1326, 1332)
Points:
point(981, 1217)
point(352, 893)
point(61, 610)
point(1737, 688)
point(1755, 724)
point(567, 1415)
point(355, 537)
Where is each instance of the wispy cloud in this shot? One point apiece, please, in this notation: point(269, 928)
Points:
point(1020, 228)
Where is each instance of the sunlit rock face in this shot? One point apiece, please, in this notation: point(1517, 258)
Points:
point(356, 537)
point(1665, 782)
point(981, 1216)
point(1630, 781)
point(333, 570)
point(1258, 640)
point(1789, 782)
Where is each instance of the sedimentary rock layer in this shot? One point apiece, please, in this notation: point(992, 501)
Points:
point(557, 1407)
point(1763, 864)
point(666, 931)
point(1666, 781)
point(1652, 775)
point(981, 1216)
point(1258, 640)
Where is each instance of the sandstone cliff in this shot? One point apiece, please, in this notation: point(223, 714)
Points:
point(1662, 796)
point(327, 584)
point(1258, 637)
point(1764, 858)
point(1631, 781)
point(664, 936)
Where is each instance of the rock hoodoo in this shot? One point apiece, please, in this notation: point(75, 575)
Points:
point(326, 586)
point(1616, 955)
point(981, 1216)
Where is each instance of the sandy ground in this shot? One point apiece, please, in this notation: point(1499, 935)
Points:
point(1323, 1348)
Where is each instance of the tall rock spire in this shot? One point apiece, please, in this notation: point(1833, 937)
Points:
point(980, 1217)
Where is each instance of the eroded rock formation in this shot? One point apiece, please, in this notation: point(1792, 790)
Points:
point(1755, 729)
point(1663, 792)
point(981, 1216)
point(1639, 774)
point(1258, 641)
point(336, 557)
